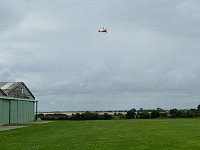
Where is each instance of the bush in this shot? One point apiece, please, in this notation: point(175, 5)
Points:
point(106, 116)
point(144, 115)
point(155, 114)
point(54, 117)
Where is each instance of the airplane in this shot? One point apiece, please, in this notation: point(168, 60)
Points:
point(103, 30)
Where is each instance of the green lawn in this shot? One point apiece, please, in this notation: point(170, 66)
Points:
point(167, 134)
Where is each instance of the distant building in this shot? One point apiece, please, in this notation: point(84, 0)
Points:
point(17, 103)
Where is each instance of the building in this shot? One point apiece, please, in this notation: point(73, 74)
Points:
point(2, 93)
point(17, 103)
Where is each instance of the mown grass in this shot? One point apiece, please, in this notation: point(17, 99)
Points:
point(166, 134)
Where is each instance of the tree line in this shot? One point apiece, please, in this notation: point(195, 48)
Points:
point(77, 116)
point(130, 114)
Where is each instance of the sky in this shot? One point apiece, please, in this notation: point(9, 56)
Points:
point(149, 58)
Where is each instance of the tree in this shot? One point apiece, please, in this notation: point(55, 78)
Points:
point(121, 115)
point(173, 112)
point(141, 110)
point(144, 115)
point(91, 116)
point(155, 114)
point(106, 116)
point(198, 108)
point(131, 113)
point(192, 113)
point(118, 115)
point(163, 114)
point(77, 116)
point(159, 109)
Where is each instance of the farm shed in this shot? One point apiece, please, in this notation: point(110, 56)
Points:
point(17, 103)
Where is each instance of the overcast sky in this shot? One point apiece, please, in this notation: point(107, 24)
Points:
point(149, 58)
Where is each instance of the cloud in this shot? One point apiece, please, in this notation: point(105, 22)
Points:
point(10, 14)
point(149, 58)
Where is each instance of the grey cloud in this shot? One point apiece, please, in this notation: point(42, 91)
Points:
point(149, 58)
point(10, 14)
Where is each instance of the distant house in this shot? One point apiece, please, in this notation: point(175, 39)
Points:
point(17, 103)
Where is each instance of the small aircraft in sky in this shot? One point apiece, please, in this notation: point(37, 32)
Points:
point(103, 30)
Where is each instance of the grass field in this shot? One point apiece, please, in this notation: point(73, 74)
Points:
point(166, 134)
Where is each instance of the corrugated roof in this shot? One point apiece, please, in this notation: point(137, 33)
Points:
point(2, 93)
point(8, 87)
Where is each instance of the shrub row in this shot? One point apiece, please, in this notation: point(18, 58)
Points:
point(83, 116)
